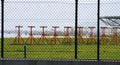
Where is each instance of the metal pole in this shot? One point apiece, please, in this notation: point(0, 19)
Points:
point(2, 28)
point(25, 50)
point(76, 19)
point(98, 30)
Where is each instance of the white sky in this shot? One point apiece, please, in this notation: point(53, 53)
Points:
point(59, 0)
point(51, 14)
point(55, 14)
point(67, 1)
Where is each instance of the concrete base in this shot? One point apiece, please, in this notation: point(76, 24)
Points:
point(56, 62)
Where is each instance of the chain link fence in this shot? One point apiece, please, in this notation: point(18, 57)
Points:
point(110, 29)
point(46, 29)
point(87, 21)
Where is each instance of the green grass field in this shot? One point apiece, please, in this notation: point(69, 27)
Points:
point(60, 50)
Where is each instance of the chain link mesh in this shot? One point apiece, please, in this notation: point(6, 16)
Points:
point(45, 29)
point(87, 20)
point(109, 29)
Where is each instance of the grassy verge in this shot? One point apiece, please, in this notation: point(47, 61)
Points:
point(60, 50)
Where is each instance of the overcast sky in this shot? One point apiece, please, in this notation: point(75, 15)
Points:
point(69, 0)
point(59, 13)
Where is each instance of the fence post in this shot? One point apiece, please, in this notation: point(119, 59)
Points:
point(2, 28)
point(98, 30)
point(76, 19)
point(25, 49)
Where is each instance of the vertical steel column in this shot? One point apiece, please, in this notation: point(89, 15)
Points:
point(98, 30)
point(2, 28)
point(76, 20)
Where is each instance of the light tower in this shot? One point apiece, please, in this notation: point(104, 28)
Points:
point(18, 38)
point(115, 34)
point(91, 37)
point(67, 37)
point(80, 39)
point(103, 36)
point(55, 34)
point(31, 38)
point(43, 34)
